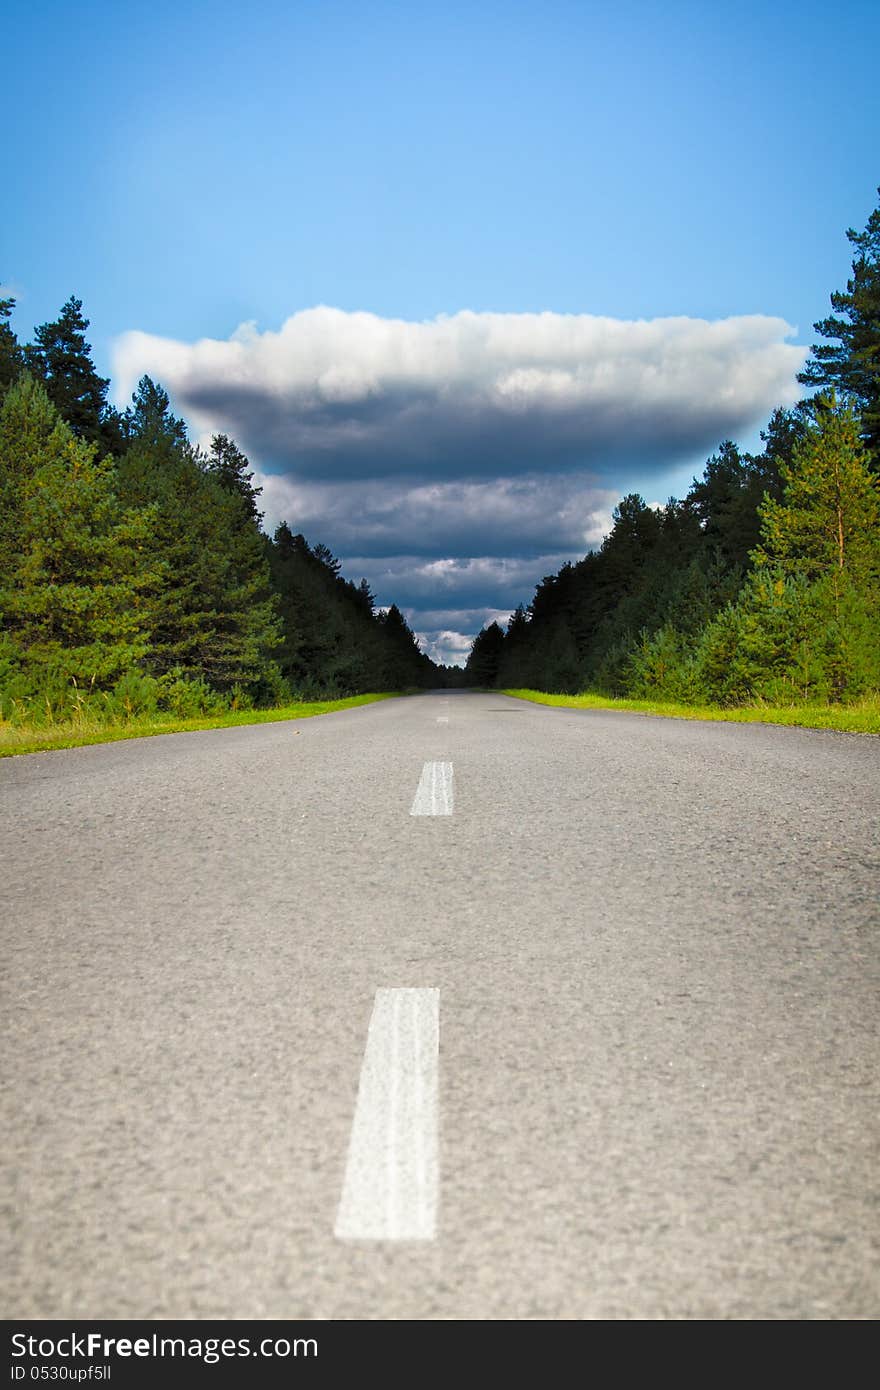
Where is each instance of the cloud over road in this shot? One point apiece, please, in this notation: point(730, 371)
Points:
point(456, 461)
point(469, 395)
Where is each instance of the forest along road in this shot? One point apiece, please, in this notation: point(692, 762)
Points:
point(445, 1007)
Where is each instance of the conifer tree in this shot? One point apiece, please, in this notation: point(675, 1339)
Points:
point(805, 624)
point(232, 469)
point(365, 597)
point(62, 358)
point(513, 663)
point(829, 517)
point(75, 566)
point(725, 501)
point(850, 361)
point(11, 357)
point(485, 654)
point(215, 615)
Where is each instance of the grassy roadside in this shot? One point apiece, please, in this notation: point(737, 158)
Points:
point(860, 718)
point(77, 733)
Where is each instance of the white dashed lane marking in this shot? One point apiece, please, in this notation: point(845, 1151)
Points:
point(391, 1180)
point(434, 794)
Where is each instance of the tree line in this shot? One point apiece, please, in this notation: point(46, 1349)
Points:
point(763, 583)
point(134, 573)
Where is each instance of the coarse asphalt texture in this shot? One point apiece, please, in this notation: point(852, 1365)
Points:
point(656, 949)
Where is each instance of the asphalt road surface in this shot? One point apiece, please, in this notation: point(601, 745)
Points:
point(446, 1007)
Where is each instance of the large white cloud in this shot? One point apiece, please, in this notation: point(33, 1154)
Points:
point(335, 394)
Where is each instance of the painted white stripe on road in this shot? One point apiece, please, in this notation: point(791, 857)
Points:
point(391, 1176)
point(434, 793)
point(443, 719)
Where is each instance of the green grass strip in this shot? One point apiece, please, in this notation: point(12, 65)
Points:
point(862, 717)
point(24, 739)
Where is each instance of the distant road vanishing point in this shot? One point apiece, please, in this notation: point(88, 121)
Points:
point(443, 1007)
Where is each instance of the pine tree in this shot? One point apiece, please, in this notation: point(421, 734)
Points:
point(513, 664)
point(11, 357)
point(829, 517)
point(725, 501)
point(283, 555)
point(74, 564)
point(850, 361)
point(215, 615)
point(231, 468)
point(403, 662)
point(150, 423)
point(804, 627)
point(61, 357)
point(365, 597)
point(785, 430)
point(324, 555)
point(485, 654)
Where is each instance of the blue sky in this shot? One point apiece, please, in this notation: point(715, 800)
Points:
point(187, 171)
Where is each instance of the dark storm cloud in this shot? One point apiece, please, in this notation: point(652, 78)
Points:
point(480, 586)
point(524, 516)
point(455, 462)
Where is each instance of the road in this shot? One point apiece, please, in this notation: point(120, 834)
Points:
point(600, 988)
